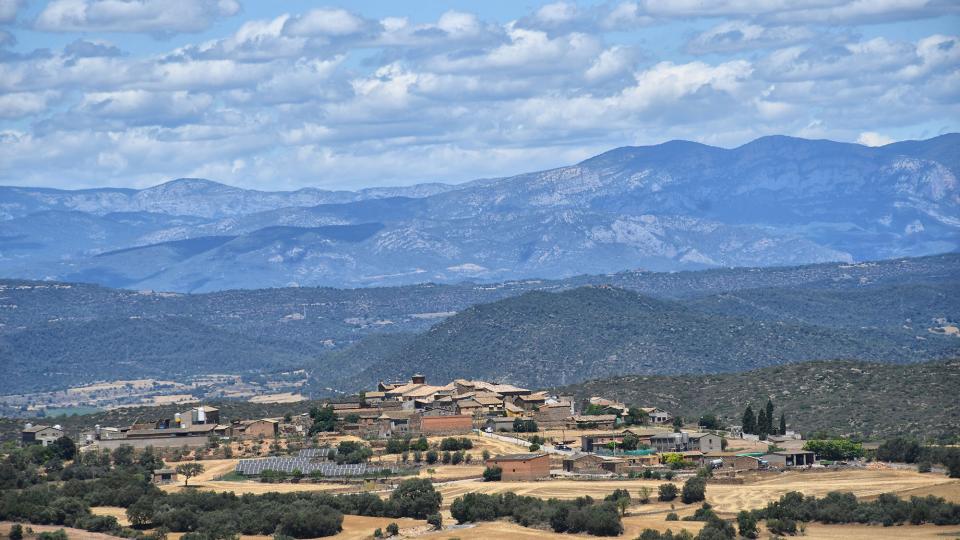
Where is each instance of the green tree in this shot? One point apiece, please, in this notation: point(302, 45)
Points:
point(324, 419)
point(64, 448)
point(16, 532)
point(694, 490)
point(762, 424)
point(416, 498)
point(188, 471)
point(435, 520)
point(747, 525)
point(749, 421)
point(393, 529)
point(667, 492)
point(783, 424)
point(770, 417)
point(709, 421)
point(492, 474)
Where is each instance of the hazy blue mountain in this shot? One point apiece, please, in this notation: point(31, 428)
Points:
point(674, 206)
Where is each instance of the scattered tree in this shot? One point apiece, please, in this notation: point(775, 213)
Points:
point(188, 471)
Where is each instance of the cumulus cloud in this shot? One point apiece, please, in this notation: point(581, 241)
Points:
point(163, 17)
point(20, 104)
point(735, 36)
point(872, 138)
point(334, 97)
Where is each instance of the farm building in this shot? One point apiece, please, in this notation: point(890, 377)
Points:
point(40, 434)
point(523, 467)
point(790, 458)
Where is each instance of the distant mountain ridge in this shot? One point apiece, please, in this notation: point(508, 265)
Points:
point(58, 334)
point(674, 206)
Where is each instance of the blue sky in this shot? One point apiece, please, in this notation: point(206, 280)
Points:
point(283, 95)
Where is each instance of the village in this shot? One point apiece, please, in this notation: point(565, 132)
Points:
point(605, 439)
point(469, 436)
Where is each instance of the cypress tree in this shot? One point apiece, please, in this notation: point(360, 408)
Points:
point(783, 424)
point(770, 417)
point(749, 421)
point(762, 423)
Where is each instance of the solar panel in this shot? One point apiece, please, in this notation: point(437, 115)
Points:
point(255, 467)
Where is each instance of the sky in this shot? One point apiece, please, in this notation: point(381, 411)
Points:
point(285, 95)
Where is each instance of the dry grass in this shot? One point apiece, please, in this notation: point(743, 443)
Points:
point(283, 397)
point(115, 511)
point(731, 498)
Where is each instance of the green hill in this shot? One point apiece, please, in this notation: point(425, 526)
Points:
point(842, 397)
point(544, 339)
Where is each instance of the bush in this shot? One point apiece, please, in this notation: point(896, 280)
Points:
point(694, 490)
point(435, 520)
point(304, 520)
point(416, 498)
point(352, 452)
point(393, 529)
point(492, 474)
point(16, 532)
point(747, 525)
point(672, 516)
point(58, 534)
point(900, 449)
point(782, 526)
point(667, 492)
point(432, 457)
point(924, 467)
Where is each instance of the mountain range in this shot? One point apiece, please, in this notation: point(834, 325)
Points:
point(675, 206)
point(535, 332)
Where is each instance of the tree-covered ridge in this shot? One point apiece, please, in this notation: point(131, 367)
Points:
point(58, 334)
point(545, 339)
point(839, 397)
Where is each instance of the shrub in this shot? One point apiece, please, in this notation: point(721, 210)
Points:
point(643, 495)
point(667, 492)
point(924, 467)
point(393, 529)
point(747, 525)
point(782, 526)
point(304, 520)
point(492, 474)
point(416, 498)
point(16, 532)
point(672, 516)
point(694, 490)
point(435, 520)
point(432, 457)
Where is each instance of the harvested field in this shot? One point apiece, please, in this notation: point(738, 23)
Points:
point(285, 397)
point(115, 511)
point(506, 530)
point(731, 498)
point(362, 527)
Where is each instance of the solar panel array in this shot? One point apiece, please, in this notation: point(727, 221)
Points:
point(255, 467)
point(316, 453)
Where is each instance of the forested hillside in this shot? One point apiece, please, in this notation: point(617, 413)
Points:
point(842, 397)
point(541, 339)
point(69, 334)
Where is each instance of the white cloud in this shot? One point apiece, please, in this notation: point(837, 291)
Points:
point(326, 22)
point(734, 36)
point(9, 9)
point(148, 16)
point(872, 138)
point(20, 104)
point(333, 97)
